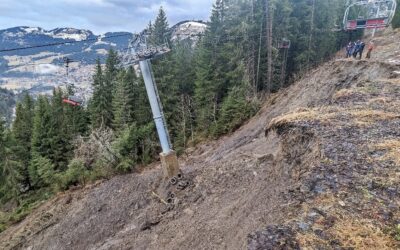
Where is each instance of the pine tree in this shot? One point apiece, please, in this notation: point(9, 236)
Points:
point(98, 89)
point(22, 132)
point(60, 148)
point(41, 139)
point(41, 171)
point(11, 180)
point(160, 28)
point(103, 84)
point(103, 91)
point(41, 143)
point(124, 99)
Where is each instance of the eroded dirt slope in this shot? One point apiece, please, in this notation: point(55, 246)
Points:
point(317, 167)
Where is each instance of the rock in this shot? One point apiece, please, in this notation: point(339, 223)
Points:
point(273, 237)
point(147, 225)
point(188, 211)
point(303, 226)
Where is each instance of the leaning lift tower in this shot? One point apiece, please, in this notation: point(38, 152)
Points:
point(140, 53)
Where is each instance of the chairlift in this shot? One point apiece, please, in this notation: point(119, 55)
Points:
point(369, 14)
point(73, 100)
point(284, 44)
point(70, 100)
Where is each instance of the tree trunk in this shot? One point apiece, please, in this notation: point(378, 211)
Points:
point(183, 120)
point(311, 34)
point(269, 27)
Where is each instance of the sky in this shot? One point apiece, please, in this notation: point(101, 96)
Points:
point(99, 16)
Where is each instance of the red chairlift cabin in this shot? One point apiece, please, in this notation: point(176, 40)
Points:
point(73, 100)
point(377, 14)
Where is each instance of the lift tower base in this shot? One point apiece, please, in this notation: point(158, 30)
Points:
point(170, 165)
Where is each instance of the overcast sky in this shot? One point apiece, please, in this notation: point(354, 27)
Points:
point(99, 16)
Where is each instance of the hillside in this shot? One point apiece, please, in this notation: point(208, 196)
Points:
point(317, 167)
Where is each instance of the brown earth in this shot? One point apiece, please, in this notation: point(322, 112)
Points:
point(317, 168)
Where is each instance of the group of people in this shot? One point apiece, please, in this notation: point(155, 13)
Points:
point(356, 49)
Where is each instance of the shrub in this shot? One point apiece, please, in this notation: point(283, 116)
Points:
point(75, 174)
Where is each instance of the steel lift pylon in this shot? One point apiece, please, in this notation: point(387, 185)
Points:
point(140, 53)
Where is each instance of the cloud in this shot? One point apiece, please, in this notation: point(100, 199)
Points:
point(99, 16)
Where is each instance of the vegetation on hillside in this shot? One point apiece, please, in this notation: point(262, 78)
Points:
point(206, 92)
point(7, 101)
point(396, 19)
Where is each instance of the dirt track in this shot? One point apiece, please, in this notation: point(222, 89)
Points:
point(315, 179)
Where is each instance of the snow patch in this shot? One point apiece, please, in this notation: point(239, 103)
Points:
point(31, 29)
point(46, 69)
point(188, 30)
point(76, 37)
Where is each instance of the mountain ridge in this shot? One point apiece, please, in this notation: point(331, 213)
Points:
point(40, 69)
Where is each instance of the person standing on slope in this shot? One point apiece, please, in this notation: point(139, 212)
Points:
point(371, 47)
point(349, 49)
point(361, 49)
point(356, 48)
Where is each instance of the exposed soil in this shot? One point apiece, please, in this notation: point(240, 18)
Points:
point(316, 168)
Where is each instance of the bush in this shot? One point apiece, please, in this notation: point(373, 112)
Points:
point(135, 145)
point(75, 174)
point(41, 171)
point(125, 166)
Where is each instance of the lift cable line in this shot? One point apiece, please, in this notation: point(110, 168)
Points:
point(61, 43)
point(124, 50)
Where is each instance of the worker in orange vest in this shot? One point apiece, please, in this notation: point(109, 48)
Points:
point(371, 47)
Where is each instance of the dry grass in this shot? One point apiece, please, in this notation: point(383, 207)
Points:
point(379, 100)
point(392, 147)
point(351, 234)
point(370, 116)
point(343, 93)
point(394, 81)
point(323, 114)
point(328, 115)
point(361, 234)
point(349, 231)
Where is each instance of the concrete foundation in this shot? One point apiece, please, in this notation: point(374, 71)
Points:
point(170, 164)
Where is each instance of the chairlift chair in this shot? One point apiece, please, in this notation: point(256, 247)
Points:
point(375, 14)
point(284, 44)
point(73, 100)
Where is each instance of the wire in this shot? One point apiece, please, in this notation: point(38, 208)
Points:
point(224, 38)
point(61, 43)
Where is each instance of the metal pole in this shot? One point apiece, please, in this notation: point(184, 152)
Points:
point(377, 16)
point(159, 120)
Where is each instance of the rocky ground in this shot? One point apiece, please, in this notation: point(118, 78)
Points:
point(316, 168)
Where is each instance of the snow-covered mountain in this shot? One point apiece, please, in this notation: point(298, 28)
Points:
point(188, 30)
point(41, 68)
